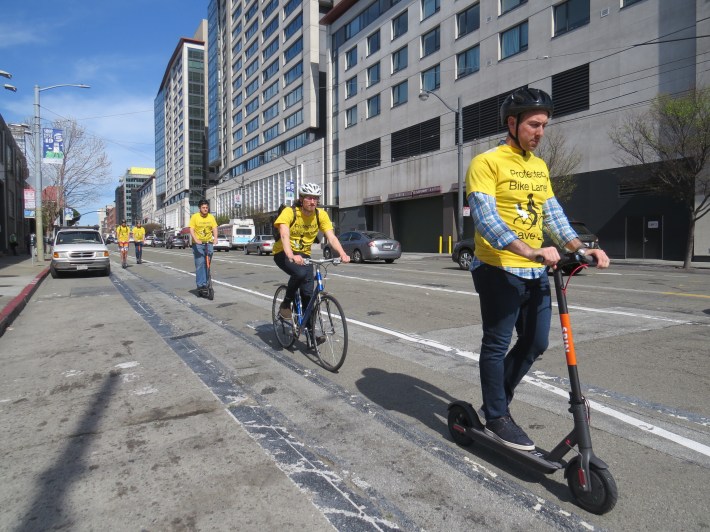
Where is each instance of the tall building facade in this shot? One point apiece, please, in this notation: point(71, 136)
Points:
point(267, 105)
point(180, 126)
point(395, 156)
point(13, 173)
point(126, 195)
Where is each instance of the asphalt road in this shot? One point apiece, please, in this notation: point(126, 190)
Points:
point(374, 435)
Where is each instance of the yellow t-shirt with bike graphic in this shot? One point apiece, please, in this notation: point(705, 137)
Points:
point(138, 234)
point(203, 226)
point(521, 186)
point(123, 234)
point(303, 231)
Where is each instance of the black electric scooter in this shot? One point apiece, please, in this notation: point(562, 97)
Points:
point(209, 291)
point(588, 477)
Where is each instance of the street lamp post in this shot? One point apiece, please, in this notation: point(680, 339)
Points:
point(423, 96)
point(39, 226)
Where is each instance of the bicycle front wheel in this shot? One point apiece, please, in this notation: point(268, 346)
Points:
point(330, 325)
point(284, 329)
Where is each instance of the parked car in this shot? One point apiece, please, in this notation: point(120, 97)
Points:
point(110, 240)
point(176, 241)
point(222, 244)
point(79, 249)
point(260, 244)
point(367, 245)
point(155, 241)
point(463, 253)
point(463, 250)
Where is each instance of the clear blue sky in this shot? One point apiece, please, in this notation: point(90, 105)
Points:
point(119, 48)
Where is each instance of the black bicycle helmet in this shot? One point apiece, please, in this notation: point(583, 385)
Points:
point(525, 99)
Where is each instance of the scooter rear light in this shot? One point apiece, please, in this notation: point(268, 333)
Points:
point(459, 428)
point(582, 478)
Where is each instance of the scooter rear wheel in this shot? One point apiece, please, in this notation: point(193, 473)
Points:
point(604, 493)
point(210, 293)
point(458, 421)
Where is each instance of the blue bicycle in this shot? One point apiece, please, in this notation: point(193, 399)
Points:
point(326, 331)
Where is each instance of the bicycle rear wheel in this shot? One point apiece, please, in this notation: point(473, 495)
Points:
point(329, 322)
point(284, 329)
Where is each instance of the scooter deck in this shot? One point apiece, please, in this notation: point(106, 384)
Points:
point(535, 459)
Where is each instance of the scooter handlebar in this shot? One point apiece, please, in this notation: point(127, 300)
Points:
point(571, 258)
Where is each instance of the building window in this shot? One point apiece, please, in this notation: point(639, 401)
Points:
point(508, 5)
point(269, 9)
point(270, 91)
point(293, 50)
point(429, 7)
point(373, 106)
point(351, 116)
point(252, 67)
point(251, 31)
point(295, 73)
point(570, 15)
point(351, 87)
point(237, 117)
point(570, 90)
point(399, 25)
point(431, 42)
point(237, 82)
point(237, 100)
point(351, 58)
point(252, 125)
point(270, 49)
point(271, 112)
point(251, 87)
point(238, 134)
point(270, 28)
point(252, 144)
point(373, 43)
point(399, 94)
point(291, 6)
point(293, 26)
point(431, 78)
point(271, 133)
point(514, 40)
point(468, 62)
point(251, 49)
point(416, 140)
point(468, 20)
point(293, 97)
point(238, 152)
point(626, 3)
point(293, 120)
point(400, 60)
point(251, 11)
point(373, 74)
point(270, 71)
point(252, 106)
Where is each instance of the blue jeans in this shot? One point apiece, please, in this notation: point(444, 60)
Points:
point(300, 277)
point(139, 250)
point(198, 251)
point(509, 302)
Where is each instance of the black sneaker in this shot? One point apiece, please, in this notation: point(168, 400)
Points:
point(506, 431)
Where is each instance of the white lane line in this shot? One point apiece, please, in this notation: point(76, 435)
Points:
point(539, 382)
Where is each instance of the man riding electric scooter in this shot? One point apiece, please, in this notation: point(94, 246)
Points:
point(203, 229)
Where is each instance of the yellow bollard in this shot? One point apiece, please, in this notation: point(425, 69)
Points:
point(440, 243)
point(449, 244)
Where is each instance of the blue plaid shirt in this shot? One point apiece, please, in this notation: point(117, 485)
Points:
point(489, 224)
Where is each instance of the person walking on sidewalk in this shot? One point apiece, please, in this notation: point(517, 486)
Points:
point(138, 241)
point(203, 229)
point(13, 243)
point(123, 236)
point(509, 269)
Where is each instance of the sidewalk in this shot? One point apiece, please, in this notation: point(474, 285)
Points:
point(19, 278)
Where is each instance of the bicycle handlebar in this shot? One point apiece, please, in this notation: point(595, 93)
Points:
point(334, 260)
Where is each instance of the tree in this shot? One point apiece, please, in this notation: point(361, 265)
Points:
point(84, 169)
point(561, 160)
point(672, 139)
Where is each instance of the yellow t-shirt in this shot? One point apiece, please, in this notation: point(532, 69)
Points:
point(139, 234)
point(304, 230)
point(203, 226)
point(521, 186)
point(123, 233)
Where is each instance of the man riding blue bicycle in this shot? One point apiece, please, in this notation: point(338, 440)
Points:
point(297, 228)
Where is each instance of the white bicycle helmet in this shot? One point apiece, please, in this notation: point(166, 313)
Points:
point(309, 189)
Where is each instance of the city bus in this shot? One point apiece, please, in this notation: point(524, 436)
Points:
point(238, 232)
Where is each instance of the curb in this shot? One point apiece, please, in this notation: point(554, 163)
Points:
point(13, 309)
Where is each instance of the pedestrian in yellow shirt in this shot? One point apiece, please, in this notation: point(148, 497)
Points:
point(138, 241)
point(203, 229)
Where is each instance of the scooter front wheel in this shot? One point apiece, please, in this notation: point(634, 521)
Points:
point(604, 493)
point(459, 421)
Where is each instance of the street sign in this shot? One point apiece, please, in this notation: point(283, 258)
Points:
point(290, 188)
point(52, 145)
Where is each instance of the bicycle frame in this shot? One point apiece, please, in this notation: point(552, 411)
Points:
point(304, 316)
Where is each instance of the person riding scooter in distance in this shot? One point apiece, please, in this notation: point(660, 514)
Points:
point(509, 269)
